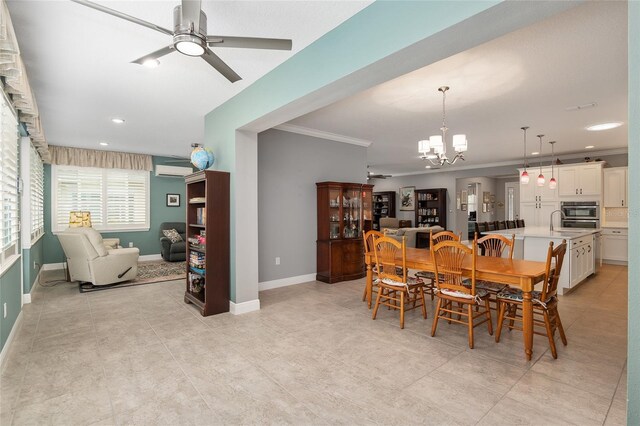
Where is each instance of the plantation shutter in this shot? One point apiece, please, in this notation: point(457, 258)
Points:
point(127, 198)
point(37, 194)
point(78, 189)
point(9, 226)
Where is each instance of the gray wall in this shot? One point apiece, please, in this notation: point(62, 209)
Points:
point(289, 165)
point(501, 197)
point(485, 184)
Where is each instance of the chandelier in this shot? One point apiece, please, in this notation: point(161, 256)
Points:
point(437, 143)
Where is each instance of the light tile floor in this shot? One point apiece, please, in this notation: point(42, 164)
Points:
point(311, 355)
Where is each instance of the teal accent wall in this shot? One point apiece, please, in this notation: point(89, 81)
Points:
point(147, 242)
point(11, 294)
point(633, 347)
point(29, 271)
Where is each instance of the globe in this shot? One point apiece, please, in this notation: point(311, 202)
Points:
point(202, 158)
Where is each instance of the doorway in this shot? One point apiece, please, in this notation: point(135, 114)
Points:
point(512, 200)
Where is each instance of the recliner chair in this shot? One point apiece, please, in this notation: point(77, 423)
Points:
point(90, 261)
point(174, 252)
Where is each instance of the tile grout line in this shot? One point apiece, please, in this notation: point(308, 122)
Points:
point(614, 394)
point(104, 373)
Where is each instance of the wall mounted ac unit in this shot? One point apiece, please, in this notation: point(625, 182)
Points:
point(173, 171)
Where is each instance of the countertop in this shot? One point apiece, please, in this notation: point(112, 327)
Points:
point(543, 232)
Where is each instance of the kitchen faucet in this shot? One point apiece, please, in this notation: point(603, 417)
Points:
point(562, 215)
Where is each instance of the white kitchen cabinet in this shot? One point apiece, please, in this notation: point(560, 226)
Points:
point(615, 187)
point(580, 180)
point(582, 259)
point(614, 244)
point(532, 193)
point(538, 213)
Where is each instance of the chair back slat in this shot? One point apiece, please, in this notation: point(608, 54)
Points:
point(491, 226)
point(555, 258)
point(502, 224)
point(511, 224)
point(448, 257)
point(385, 251)
point(441, 236)
point(369, 237)
point(494, 245)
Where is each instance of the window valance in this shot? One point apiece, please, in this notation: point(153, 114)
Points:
point(67, 156)
point(17, 84)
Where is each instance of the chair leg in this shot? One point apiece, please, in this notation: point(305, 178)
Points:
point(512, 316)
point(547, 325)
point(435, 318)
point(424, 307)
point(503, 306)
point(377, 305)
point(470, 324)
point(432, 287)
point(460, 307)
point(449, 305)
point(364, 295)
point(402, 309)
point(487, 308)
point(560, 327)
point(415, 296)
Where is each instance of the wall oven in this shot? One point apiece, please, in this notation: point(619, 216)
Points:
point(580, 214)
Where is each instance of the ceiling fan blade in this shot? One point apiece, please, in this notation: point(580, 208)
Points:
point(249, 42)
point(191, 13)
point(154, 55)
point(123, 16)
point(224, 69)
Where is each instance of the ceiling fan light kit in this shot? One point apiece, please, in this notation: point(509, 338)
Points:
point(437, 143)
point(189, 37)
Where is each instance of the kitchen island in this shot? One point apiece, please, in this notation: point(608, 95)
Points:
point(579, 263)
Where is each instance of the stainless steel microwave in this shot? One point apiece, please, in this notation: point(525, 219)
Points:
point(580, 210)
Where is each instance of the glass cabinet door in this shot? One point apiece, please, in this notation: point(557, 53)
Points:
point(352, 213)
point(367, 210)
point(335, 201)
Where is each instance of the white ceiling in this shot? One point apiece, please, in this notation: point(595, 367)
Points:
point(528, 77)
point(78, 62)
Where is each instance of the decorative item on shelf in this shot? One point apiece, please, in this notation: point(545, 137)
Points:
point(173, 200)
point(553, 183)
point(524, 177)
point(79, 219)
point(540, 180)
point(438, 143)
point(202, 158)
point(197, 200)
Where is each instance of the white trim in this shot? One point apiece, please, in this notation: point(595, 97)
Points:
point(284, 282)
point(7, 344)
point(52, 266)
point(26, 297)
point(8, 262)
point(292, 128)
point(244, 307)
point(149, 257)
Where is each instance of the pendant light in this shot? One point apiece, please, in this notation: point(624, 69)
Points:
point(524, 178)
point(540, 181)
point(553, 183)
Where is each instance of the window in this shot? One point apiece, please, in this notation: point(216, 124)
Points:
point(9, 226)
point(36, 186)
point(117, 199)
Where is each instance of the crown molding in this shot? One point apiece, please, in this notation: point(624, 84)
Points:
point(292, 128)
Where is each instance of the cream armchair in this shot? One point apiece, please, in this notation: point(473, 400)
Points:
point(89, 260)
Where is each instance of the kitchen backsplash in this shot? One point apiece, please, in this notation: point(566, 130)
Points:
point(616, 216)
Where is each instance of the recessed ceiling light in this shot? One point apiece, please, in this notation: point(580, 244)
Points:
point(151, 63)
point(535, 153)
point(118, 120)
point(604, 126)
point(589, 147)
point(104, 143)
point(427, 167)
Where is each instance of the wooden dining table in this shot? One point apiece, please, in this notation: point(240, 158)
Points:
point(524, 274)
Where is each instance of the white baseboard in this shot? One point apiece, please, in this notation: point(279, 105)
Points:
point(149, 257)
point(52, 266)
point(26, 297)
point(268, 285)
point(244, 307)
point(7, 344)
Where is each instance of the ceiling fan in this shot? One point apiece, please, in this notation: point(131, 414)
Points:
point(371, 175)
point(190, 36)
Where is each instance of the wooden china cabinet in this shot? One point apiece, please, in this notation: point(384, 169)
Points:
point(344, 214)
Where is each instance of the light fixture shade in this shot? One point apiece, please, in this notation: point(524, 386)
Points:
point(460, 143)
point(423, 146)
point(553, 183)
point(189, 48)
point(524, 178)
point(436, 143)
point(540, 180)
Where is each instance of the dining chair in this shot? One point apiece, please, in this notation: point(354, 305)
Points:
point(545, 302)
point(369, 238)
point(502, 224)
point(482, 226)
point(519, 223)
point(429, 277)
point(448, 258)
point(396, 291)
point(493, 245)
point(491, 226)
point(511, 224)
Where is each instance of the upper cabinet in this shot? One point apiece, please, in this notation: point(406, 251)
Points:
point(615, 187)
point(532, 193)
point(580, 180)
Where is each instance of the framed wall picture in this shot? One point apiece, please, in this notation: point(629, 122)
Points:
point(484, 207)
point(173, 200)
point(463, 207)
point(407, 198)
point(458, 202)
point(486, 196)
